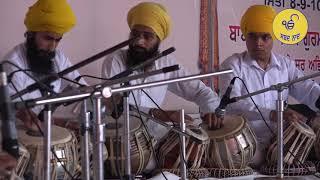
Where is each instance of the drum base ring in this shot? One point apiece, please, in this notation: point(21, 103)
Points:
point(225, 173)
point(192, 173)
point(306, 168)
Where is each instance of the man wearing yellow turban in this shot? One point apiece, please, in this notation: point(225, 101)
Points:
point(46, 22)
point(150, 24)
point(260, 67)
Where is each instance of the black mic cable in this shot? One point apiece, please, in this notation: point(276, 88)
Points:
point(225, 100)
point(25, 71)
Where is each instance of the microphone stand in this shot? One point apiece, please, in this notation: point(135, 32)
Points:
point(47, 140)
point(84, 140)
point(126, 133)
point(49, 79)
point(98, 139)
point(280, 108)
point(183, 167)
point(98, 91)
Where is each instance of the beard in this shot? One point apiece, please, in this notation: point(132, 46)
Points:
point(137, 54)
point(39, 61)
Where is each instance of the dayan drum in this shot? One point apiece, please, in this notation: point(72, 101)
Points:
point(232, 146)
point(169, 148)
point(62, 143)
point(140, 143)
point(298, 138)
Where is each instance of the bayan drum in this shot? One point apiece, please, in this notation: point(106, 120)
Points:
point(140, 143)
point(298, 139)
point(62, 143)
point(232, 146)
point(169, 149)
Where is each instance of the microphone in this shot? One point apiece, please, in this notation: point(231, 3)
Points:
point(52, 78)
point(8, 127)
point(143, 64)
point(225, 100)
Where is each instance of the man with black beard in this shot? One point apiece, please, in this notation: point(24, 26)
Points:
point(150, 24)
point(46, 23)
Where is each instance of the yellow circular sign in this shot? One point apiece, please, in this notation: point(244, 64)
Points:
point(290, 26)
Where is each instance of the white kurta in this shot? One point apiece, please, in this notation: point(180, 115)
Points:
point(18, 56)
point(280, 70)
point(194, 91)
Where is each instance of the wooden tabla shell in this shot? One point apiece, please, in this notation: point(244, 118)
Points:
point(140, 142)
point(62, 142)
point(298, 139)
point(22, 161)
point(232, 146)
point(316, 128)
point(169, 149)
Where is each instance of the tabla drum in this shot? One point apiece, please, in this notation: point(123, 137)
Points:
point(62, 143)
point(169, 148)
point(232, 146)
point(316, 127)
point(295, 169)
point(298, 139)
point(140, 142)
point(22, 162)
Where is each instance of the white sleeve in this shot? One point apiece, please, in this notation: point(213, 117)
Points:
point(244, 107)
point(65, 63)
point(195, 91)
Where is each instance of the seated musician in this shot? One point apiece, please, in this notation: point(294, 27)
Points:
point(260, 68)
point(150, 24)
point(46, 23)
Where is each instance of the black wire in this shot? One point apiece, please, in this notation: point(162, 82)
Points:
point(93, 77)
point(302, 164)
point(42, 85)
point(166, 114)
point(117, 138)
point(42, 134)
point(163, 111)
point(150, 140)
point(72, 81)
point(256, 106)
point(13, 72)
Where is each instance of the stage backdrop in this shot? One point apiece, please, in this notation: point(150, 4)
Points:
point(306, 54)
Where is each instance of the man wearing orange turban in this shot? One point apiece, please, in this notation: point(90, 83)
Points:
point(260, 68)
point(150, 24)
point(46, 22)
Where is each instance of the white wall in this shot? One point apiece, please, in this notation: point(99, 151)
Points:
point(102, 24)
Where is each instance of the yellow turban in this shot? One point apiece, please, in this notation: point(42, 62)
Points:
point(50, 15)
point(258, 18)
point(152, 15)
